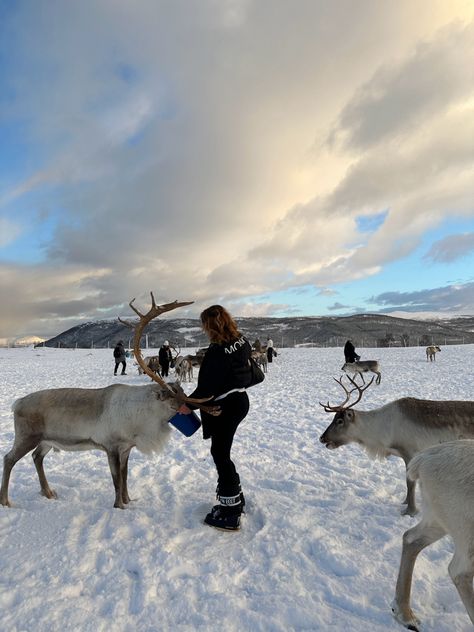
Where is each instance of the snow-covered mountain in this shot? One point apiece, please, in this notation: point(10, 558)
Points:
point(366, 330)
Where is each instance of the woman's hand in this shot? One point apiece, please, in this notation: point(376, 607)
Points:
point(210, 410)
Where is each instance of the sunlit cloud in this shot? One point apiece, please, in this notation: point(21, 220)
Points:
point(401, 96)
point(182, 148)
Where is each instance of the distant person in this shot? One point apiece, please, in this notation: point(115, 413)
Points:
point(119, 357)
point(257, 345)
point(350, 353)
point(165, 357)
point(270, 350)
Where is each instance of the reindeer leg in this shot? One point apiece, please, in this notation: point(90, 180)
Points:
point(17, 452)
point(414, 541)
point(114, 465)
point(411, 509)
point(409, 501)
point(461, 571)
point(124, 474)
point(38, 455)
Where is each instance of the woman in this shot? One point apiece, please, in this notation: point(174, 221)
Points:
point(270, 350)
point(225, 372)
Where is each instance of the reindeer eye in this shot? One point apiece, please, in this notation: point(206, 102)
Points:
point(339, 421)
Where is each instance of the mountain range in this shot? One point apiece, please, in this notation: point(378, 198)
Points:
point(365, 330)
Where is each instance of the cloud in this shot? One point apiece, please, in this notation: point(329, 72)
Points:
point(182, 147)
point(419, 183)
point(338, 306)
point(453, 298)
point(9, 231)
point(327, 292)
point(400, 96)
point(451, 248)
point(255, 309)
point(49, 297)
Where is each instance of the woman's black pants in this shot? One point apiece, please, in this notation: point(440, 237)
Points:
point(234, 409)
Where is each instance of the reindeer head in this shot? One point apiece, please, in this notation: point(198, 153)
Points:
point(339, 430)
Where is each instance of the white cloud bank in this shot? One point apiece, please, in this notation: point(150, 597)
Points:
point(187, 146)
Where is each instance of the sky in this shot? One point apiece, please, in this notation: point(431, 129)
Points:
point(280, 158)
point(319, 545)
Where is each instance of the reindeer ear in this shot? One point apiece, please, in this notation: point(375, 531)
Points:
point(163, 394)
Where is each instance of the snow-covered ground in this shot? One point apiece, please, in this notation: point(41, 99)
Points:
point(320, 544)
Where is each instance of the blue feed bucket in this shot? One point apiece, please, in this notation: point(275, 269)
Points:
point(187, 424)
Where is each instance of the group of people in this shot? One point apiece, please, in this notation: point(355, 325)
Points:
point(164, 356)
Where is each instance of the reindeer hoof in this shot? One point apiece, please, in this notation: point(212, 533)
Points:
point(409, 511)
point(406, 617)
point(49, 493)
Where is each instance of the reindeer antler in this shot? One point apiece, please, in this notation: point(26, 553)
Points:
point(138, 328)
point(144, 319)
point(178, 350)
point(361, 389)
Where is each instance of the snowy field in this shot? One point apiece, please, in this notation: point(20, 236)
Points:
point(319, 546)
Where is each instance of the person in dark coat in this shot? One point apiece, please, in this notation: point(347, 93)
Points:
point(270, 350)
point(350, 353)
point(165, 357)
point(223, 376)
point(119, 357)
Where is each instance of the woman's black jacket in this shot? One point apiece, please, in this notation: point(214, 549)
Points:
point(226, 366)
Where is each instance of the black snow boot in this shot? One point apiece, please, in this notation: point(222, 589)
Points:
point(220, 519)
point(225, 516)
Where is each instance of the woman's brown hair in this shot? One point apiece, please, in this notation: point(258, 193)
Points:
point(219, 324)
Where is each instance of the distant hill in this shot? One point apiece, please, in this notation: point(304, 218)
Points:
point(365, 330)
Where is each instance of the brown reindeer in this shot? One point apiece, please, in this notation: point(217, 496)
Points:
point(153, 363)
point(431, 352)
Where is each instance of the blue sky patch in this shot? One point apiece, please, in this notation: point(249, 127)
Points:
point(370, 223)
